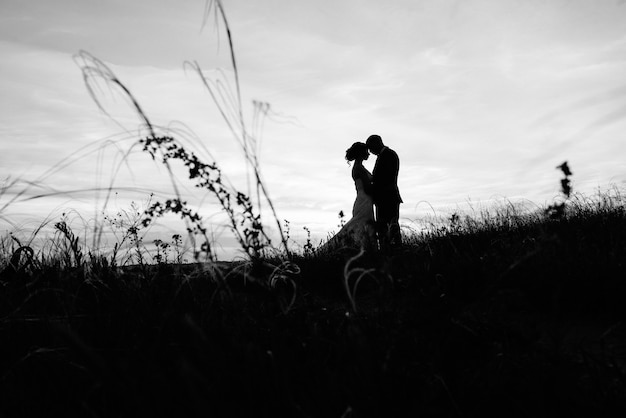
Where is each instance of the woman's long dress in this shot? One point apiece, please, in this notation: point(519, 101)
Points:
point(359, 231)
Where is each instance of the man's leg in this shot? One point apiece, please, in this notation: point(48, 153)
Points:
point(384, 215)
point(379, 227)
point(395, 236)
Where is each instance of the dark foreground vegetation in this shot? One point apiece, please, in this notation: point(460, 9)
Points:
point(501, 315)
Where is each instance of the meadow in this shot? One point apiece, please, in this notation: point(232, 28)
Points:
point(495, 314)
point(498, 312)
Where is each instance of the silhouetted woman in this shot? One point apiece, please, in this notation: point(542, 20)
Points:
point(359, 231)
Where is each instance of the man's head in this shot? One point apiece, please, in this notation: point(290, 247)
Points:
point(375, 144)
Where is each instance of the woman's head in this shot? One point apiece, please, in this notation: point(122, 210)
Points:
point(358, 151)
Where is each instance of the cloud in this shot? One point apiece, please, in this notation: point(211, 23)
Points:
point(126, 33)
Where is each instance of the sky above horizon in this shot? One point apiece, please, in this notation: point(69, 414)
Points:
point(481, 99)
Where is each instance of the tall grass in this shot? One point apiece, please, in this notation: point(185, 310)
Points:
point(245, 222)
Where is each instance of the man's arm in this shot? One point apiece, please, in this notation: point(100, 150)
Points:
point(387, 169)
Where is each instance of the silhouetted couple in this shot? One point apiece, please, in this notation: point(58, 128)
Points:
point(376, 191)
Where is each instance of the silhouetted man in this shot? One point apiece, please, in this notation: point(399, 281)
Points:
point(385, 193)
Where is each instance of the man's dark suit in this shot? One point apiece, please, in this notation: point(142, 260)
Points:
point(387, 197)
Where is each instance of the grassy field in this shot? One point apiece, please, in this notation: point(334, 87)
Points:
point(501, 314)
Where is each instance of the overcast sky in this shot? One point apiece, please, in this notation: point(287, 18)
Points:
point(481, 99)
